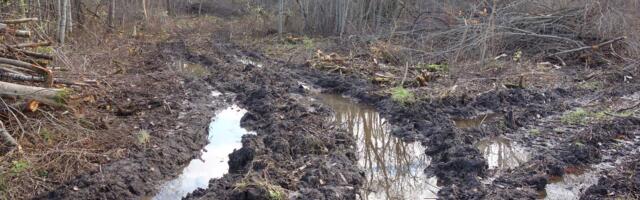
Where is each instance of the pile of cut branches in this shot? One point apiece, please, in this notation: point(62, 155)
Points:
point(586, 33)
point(25, 77)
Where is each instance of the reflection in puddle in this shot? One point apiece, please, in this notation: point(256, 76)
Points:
point(501, 153)
point(570, 186)
point(476, 121)
point(393, 168)
point(225, 135)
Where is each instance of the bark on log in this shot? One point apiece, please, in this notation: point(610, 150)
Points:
point(29, 53)
point(50, 96)
point(18, 21)
point(13, 75)
point(36, 55)
point(46, 72)
point(31, 45)
point(18, 33)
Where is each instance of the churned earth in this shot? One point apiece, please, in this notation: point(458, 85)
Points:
point(567, 124)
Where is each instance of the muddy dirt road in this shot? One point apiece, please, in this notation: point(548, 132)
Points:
point(326, 135)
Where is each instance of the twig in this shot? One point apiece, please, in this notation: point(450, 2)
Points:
point(406, 70)
point(594, 47)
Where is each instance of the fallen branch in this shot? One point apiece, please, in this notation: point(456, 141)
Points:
point(18, 21)
point(594, 47)
point(31, 45)
point(50, 96)
point(46, 72)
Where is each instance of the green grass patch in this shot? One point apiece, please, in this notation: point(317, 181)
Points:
point(308, 43)
point(402, 95)
point(19, 166)
point(46, 135)
point(591, 85)
point(534, 132)
point(434, 67)
point(62, 96)
point(575, 117)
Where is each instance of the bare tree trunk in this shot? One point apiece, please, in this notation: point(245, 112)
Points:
point(111, 17)
point(144, 9)
point(69, 25)
point(169, 10)
point(62, 24)
point(281, 17)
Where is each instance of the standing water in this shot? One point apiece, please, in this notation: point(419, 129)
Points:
point(501, 153)
point(393, 168)
point(570, 186)
point(225, 135)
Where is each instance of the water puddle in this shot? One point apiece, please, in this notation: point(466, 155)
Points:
point(502, 153)
point(393, 168)
point(246, 61)
point(225, 135)
point(570, 186)
point(475, 121)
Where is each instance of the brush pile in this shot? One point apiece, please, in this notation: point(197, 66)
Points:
point(586, 33)
point(26, 80)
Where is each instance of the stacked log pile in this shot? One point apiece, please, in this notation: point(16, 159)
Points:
point(24, 73)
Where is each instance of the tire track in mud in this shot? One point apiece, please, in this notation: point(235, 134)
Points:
point(177, 133)
point(457, 163)
point(296, 151)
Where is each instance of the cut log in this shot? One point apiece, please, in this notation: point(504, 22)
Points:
point(19, 33)
point(18, 21)
point(36, 55)
point(14, 69)
point(31, 106)
point(31, 45)
point(29, 53)
point(49, 96)
point(46, 72)
point(14, 75)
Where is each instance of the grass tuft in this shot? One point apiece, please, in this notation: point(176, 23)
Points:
point(143, 137)
point(402, 95)
point(575, 117)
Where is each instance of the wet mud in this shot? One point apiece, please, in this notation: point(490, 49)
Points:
point(298, 153)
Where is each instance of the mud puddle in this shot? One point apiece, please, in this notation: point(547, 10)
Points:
point(247, 61)
point(502, 153)
point(570, 186)
point(394, 169)
point(225, 135)
point(466, 123)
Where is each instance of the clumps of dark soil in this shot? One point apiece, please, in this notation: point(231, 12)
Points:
point(296, 152)
point(580, 150)
point(176, 122)
point(456, 162)
point(620, 183)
